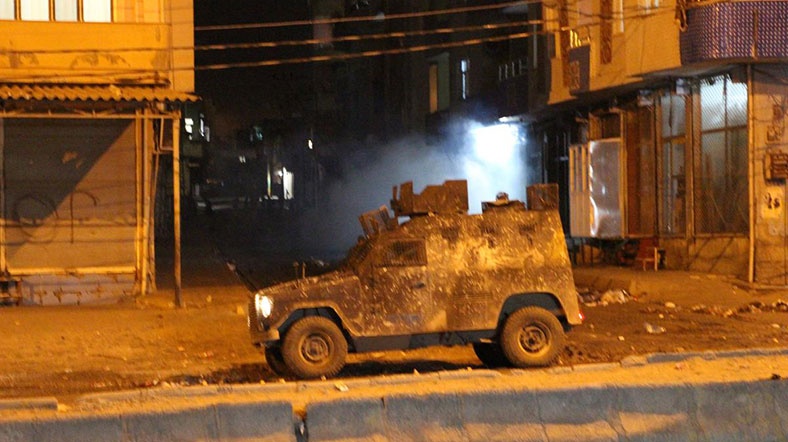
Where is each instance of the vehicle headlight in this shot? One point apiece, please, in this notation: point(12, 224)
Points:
point(263, 305)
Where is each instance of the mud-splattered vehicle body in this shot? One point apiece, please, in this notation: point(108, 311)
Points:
point(500, 280)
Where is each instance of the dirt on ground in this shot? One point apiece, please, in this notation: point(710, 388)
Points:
point(148, 342)
point(67, 351)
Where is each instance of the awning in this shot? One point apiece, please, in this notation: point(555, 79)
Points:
point(106, 93)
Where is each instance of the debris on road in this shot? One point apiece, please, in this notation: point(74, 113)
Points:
point(752, 307)
point(593, 298)
point(653, 329)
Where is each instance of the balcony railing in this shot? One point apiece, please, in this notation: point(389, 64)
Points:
point(740, 30)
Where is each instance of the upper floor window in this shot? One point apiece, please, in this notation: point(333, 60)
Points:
point(66, 10)
point(647, 6)
point(438, 74)
point(95, 11)
point(37, 10)
point(618, 16)
point(88, 11)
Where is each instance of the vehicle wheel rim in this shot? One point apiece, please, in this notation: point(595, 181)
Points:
point(533, 339)
point(316, 348)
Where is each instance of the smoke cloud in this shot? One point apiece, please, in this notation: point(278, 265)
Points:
point(489, 167)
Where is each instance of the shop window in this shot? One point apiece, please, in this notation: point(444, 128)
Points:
point(721, 177)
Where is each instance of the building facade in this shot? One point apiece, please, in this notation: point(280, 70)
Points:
point(666, 120)
point(91, 97)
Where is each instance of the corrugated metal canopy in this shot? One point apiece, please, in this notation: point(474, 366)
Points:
point(109, 93)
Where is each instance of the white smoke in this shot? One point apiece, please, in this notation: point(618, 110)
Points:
point(484, 160)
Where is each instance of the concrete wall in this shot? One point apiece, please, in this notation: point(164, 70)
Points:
point(770, 116)
point(725, 255)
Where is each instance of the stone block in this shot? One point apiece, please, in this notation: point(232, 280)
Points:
point(347, 419)
point(433, 417)
point(258, 421)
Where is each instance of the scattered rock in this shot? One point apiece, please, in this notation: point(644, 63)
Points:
point(670, 305)
point(341, 386)
point(653, 329)
point(753, 307)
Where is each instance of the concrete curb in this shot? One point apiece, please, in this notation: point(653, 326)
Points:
point(259, 421)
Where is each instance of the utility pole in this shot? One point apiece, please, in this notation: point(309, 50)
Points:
point(176, 206)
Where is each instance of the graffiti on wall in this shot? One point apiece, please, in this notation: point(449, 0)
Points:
point(38, 219)
point(772, 208)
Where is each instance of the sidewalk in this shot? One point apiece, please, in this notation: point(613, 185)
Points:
point(680, 287)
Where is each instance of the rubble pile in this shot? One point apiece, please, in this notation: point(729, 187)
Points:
point(593, 298)
point(753, 307)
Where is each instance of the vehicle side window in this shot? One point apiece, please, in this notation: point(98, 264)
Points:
point(404, 253)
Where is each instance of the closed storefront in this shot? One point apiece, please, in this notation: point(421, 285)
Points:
point(69, 197)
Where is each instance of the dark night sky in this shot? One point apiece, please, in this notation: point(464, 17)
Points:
point(240, 96)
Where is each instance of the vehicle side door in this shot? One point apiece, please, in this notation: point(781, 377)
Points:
point(400, 287)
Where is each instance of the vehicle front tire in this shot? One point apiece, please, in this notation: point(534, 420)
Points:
point(532, 337)
point(275, 361)
point(490, 354)
point(314, 347)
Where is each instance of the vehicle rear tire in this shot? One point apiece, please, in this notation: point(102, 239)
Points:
point(532, 337)
point(275, 361)
point(314, 347)
point(490, 354)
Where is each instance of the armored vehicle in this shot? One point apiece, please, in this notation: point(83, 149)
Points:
point(500, 281)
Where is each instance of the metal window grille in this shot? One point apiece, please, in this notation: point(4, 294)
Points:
point(405, 253)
